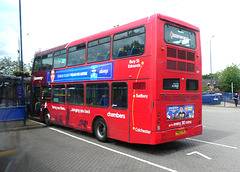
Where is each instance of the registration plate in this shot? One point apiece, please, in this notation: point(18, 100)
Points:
point(180, 132)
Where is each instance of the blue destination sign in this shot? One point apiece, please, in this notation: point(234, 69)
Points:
point(85, 73)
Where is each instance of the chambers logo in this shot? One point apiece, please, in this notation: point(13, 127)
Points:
point(177, 36)
point(116, 115)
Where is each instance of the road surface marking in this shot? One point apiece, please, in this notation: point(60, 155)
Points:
point(204, 156)
point(212, 143)
point(9, 152)
point(115, 151)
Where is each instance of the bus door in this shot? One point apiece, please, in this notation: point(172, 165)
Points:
point(36, 101)
point(45, 98)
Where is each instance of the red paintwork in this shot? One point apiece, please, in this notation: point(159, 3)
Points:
point(139, 124)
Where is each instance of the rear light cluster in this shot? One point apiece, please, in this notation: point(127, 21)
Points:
point(158, 121)
point(199, 115)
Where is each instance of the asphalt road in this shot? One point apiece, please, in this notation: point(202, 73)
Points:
point(58, 149)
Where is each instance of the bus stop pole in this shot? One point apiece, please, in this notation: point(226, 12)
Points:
point(21, 56)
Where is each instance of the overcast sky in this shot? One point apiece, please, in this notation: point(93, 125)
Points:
point(49, 23)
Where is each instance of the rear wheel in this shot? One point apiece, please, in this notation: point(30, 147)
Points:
point(47, 117)
point(100, 130)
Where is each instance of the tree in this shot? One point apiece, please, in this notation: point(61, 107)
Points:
point(230, 75)
point(216, 75)
point(8, 66)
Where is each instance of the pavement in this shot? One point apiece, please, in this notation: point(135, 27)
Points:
point(225, 104)
point(12, 126)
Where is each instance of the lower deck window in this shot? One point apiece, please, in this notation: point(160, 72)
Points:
point(119, 95)
point(46, 93)
point(59, 94)
point(97, 94)
point(75, 94)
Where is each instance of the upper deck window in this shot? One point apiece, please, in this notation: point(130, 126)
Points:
point(60, 58)
point(76, 55)
point(178, 36)
point(47, 62)
point(129, 43)
point(37, 64)
point(99, 50)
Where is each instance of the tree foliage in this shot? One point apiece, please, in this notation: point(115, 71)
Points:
point(216, 75)
point(9, 66)
point(230, 75)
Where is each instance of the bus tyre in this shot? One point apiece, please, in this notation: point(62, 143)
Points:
point(100, 130)
point(47, 117)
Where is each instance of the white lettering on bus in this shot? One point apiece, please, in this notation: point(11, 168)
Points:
point(58, 108)
point(80, 110)
point(173, 35)
point(105, 71)
point(178, 124)
point(134, 63)
point(38, 78)
point(116, 115)
point(141, 96)
point(134, 66)
point(142, 131)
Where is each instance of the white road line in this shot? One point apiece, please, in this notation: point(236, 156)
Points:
point(195, 152)
point(115, 151)
point(212, 143)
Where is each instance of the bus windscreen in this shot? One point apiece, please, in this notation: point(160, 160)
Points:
point(178, 36)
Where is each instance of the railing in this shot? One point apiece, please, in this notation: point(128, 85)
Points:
point(12, 113)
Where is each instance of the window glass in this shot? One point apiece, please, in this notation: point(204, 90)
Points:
point(99, 50)
point(171, 84)
point(119, 95)
point(192, 85)
point(97, 94)
point(76, 55)
point(46, 93)
point(37, 64)
point(47, 62)
point(178, 36)
point(75, 94)
point(129, 43)
point(59, 94)
point(60, 58)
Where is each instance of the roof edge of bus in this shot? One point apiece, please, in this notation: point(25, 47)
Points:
point(177, 22)
point(51, 50)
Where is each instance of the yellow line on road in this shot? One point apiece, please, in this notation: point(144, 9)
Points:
point(9, 152)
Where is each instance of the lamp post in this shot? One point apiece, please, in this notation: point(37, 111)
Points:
point(21, 57)
point(211, 60)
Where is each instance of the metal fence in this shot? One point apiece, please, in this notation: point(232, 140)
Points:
point(229, 96)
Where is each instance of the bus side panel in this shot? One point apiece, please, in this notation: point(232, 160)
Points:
point(80, 117)
point(58, 113)
point(140, 118)
point(117, 124)
point(132, 68)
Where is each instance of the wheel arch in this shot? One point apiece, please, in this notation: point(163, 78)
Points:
point(94, 121)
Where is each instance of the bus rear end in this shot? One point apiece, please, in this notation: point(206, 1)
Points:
point(178, 88)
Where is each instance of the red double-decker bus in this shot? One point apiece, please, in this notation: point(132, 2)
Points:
point(138, 83)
